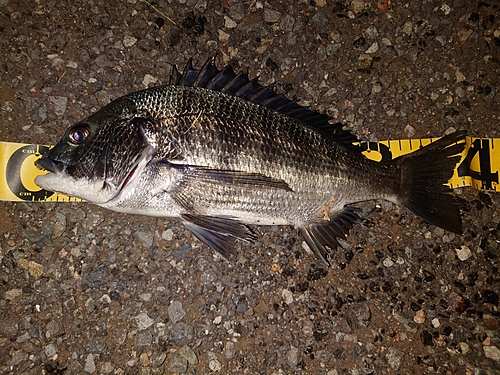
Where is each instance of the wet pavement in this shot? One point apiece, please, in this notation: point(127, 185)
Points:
point(84, 290)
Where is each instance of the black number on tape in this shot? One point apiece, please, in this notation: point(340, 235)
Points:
point(481, 146)
point(383, 150)
point(13, 174)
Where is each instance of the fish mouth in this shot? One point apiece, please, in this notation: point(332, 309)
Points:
point(49, 165)
point(130, 181)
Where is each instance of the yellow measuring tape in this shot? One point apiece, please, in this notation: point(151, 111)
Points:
point(478, 168)
point(18, 172)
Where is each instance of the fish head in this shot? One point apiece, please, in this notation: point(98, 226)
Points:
point(98, 156)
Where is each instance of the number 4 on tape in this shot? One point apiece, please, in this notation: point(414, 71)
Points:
point(481, 160)
point(478, 167)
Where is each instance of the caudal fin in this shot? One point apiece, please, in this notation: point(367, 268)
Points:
point(424, 174)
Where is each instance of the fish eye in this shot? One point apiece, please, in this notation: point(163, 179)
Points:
point(78, 134)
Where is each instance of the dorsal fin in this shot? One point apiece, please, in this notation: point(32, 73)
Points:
point(228, 82)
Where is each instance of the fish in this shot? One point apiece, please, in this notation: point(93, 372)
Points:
point(222, 153)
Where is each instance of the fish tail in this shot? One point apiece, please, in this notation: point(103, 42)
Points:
point(424, 174)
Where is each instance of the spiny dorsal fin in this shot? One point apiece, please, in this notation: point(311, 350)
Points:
point(228, 82)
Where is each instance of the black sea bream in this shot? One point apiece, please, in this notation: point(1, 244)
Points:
point(220, 152)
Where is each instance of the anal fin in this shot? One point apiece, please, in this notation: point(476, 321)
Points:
point(219, 233)
point(320, 237)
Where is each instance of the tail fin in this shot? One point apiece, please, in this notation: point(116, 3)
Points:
point(423, 175)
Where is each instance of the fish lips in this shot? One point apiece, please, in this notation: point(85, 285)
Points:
point(50, 165)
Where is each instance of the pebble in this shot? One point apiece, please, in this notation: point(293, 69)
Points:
point(97, 277)
point(292, 356)
point(12, 294)
point(157, 359)
point(373, 48)
point(410, 131)
point(463, 253)
point(464, 34)
point(408, 27)
point(419, 317)
point(93, 220)
point(287, 22)
point(23, 338)
point(52, 328)
point(144, 359)
point(107, 368)
point(59, 226)
point(320, 20)
point(229, 22)
point(322, 355)
point(287, 296)
point(358, 6)
point(365, 61)
point(208, 277)
point(149, 79)
point(177, 363)
point(459, 76)
point(229, 351)
point(464, 347)
point(89, 364)
point(35, 269)
point(188, 353)
point(492, 352)
point(214, 365)
point(143, 338)
point(76, 215)
point(363, 315)
point(60, 104)
point(223, 36)
point(271, 16)
point(332, 48)
point(181, 252)
point(50, 350)
point(145, 238)
point(143, 321)
point(129, 41)
point(35, 236)
point(167, 235)
point(388, 262)
point(394, 358)
point(39, 115)
point(176, 311)
point(181, 333)
point(435, 323)
point(371, 32)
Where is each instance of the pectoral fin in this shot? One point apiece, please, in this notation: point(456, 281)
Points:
point(194, 189)
point(218, 233)
point(207, 175)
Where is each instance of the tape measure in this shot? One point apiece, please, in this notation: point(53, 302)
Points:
point(18, 172)
point(478, 167)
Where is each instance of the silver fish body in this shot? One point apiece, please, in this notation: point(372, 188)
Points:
point(219, 152)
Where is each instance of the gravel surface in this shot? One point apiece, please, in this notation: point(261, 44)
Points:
point(84, 290)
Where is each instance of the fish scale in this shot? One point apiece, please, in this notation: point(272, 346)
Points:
point(299, 157)
point(221, 152)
